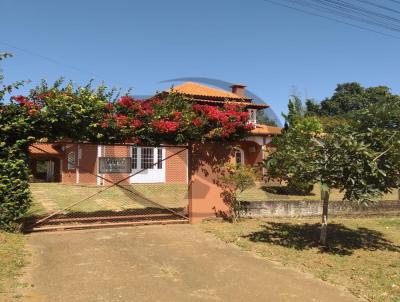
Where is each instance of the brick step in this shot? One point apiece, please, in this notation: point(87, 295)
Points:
point(110, 218)
point(78, 226)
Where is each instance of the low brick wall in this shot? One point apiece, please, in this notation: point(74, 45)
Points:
point(285, 208)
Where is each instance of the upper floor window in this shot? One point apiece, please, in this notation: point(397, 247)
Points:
point(253, 116)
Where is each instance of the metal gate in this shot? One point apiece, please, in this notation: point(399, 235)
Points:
point(93, 186)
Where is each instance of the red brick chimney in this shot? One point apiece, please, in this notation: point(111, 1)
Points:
point(238, 89)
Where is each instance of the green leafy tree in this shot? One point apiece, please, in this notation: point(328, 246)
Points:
point(293, 161)
point(353, 160)
point(296, 111)
point(312, 107)
point(262, 119)
point(14, 174)
point(349, 97)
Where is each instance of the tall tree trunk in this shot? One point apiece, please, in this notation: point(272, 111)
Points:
point(324, 222)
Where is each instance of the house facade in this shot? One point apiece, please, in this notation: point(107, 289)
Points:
point(99, 164)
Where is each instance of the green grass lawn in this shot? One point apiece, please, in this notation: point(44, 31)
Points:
point(363, 254)
point(11, 261)
point(49, 197)
point(270, 192)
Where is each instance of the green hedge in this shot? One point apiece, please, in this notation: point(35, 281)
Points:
point(15, 197)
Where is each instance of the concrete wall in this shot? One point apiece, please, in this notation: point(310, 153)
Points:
point(301, 208)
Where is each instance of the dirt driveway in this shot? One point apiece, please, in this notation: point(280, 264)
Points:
point(159, 263)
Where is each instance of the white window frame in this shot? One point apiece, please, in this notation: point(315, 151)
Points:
point(157, 155)
point(156, 173)
point(236, 151)
point(253, 116)
point(147, 158)
point(135, 158)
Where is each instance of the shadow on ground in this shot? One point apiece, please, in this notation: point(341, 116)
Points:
point(284, 190)
point(341, 240)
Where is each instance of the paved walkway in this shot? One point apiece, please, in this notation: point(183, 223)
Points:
point(159, 263)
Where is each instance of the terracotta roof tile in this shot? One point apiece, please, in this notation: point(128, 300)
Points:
point(44, 149)
point(194, 89)
point(264, 130)
point(246, 104)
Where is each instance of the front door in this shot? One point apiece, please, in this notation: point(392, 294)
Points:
point(148, 165)
point(50, 171)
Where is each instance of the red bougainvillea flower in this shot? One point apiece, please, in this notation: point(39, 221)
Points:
point(244, 116)
point(225, 134)
point(122, 120)
point(147, 107)
point(156, 101)
point(104, 124)
point(233, 107)
point(249, 126)
point(133, 140)
point(109, 106)
point(126, 101)
point(177, 115)
point(165, 126)
point(108, 116)
point(32, 112)
point(197, 122)
point(20, 99)
point(136, 123)
point(197, 107)
point(44, 95)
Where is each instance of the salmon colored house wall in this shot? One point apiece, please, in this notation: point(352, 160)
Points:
point(252, 151)
point(204, 193)
point(68, 176)
point(87, 164)
point(205, 199)
point(176, 165)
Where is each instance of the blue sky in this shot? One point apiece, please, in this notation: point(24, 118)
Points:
point(137, 44)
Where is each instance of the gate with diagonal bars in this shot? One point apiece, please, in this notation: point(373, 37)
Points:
point(82, 185)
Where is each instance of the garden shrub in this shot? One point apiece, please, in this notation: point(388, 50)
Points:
point(234, 180)
point(299, 187)
point(15, 196)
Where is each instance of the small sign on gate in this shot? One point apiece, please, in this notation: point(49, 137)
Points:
point(115, 165)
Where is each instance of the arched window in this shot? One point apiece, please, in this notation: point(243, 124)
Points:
point(239, 156)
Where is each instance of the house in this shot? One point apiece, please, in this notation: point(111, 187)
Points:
point(95, 164)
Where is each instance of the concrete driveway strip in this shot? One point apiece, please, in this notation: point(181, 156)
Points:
point(159, 263)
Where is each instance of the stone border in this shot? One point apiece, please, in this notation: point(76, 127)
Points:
point(302, 208)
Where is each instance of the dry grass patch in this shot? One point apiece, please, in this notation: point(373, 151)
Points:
point(11, 261)
point(49, 197)
point(363, 254)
